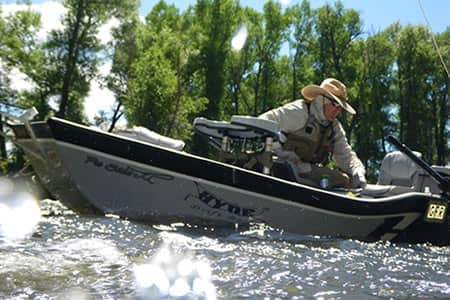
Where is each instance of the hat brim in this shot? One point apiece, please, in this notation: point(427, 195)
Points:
point(310, 92)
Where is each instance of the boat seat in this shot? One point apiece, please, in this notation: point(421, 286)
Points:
point(285, 170)
point(261, 126)
point(244, 141)
point(398, 175)
point(398, 169)
point(240, 127)
point(380, 190)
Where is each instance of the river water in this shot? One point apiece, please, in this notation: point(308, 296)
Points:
point(63, 255)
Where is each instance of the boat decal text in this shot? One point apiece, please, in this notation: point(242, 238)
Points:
point(214, 206)
point(127, 170)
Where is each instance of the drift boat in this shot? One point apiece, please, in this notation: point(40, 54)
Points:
point(92, 171)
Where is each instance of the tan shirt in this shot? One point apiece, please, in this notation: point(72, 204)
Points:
point(292, 118)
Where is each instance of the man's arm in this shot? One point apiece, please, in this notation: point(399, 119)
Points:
point(290, 117)
point(346, 159)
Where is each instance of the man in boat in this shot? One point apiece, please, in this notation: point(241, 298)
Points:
point(313, 135)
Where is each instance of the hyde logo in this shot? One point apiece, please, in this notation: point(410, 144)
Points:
point(214, 206)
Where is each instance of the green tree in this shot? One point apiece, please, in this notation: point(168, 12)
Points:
point(373, 89)
point(124, 45)
point(337, 29)
point(301, 40)
point(215, 21)
point(439, 98)
point(240, 64)
point(270, 36)
point(17, 50)
point(415, 72)
point(75, 49)
point(21, 49)
point(157, 90)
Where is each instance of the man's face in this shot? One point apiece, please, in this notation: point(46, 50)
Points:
point(331, 108)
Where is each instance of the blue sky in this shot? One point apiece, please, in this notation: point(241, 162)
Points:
point(376, 14)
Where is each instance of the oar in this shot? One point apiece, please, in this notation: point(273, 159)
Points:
point(444, 183)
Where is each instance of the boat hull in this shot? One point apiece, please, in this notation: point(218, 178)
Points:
point(149, 183)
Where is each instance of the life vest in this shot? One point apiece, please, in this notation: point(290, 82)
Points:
point(313, 143)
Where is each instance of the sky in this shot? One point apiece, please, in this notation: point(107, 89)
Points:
point(375, 14)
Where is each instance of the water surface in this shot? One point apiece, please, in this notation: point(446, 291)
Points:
point(68, 256)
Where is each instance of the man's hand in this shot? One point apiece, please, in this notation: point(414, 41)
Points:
point(359, 178)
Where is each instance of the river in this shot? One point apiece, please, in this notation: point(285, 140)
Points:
point(68, 256)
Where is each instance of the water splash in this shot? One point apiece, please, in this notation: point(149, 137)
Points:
point(171, 275)
point(239, 38)
point(19, 212)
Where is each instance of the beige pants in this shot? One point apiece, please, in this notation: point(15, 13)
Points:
point(313, 172)
point(337, 178)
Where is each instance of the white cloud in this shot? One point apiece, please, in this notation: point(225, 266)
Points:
point(104, 33)
point(20, 81)
point(99, 98)
point(51, 13)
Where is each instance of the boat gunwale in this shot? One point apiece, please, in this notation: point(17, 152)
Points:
point(72, 133)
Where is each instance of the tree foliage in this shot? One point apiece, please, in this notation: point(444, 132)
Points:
point(174, 66)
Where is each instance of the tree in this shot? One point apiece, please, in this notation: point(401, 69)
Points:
point(413, 81)
point(270, 36)
point(75, 49)
point(240, 64)
point(215, 21)
point(439, 97)
point(157, 94)
point(124, 46)
point(17, 50)
point(301, 40)
point(337, 29)
point(373, 89)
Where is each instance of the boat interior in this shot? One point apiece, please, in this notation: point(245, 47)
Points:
point(248, 142)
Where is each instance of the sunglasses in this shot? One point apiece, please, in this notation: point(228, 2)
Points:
point(333, 101)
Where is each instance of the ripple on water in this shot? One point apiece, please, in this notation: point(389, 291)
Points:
point(100, 257)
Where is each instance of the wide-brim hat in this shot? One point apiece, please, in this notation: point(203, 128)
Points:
point(330, 87)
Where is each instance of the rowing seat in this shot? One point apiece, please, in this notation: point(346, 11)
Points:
point(398, 169)
point(239, 127)
point(244, 141)
point(398, 175)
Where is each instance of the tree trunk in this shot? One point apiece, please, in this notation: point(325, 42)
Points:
point(71, 61)
point(3, 153)
point(116, 116)
point(442, 148)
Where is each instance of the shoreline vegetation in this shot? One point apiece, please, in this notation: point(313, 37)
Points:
point(177, 65)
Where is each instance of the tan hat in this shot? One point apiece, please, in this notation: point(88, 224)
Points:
point(330, 87)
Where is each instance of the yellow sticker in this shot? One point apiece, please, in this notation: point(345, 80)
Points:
point(436, 211)
point(350, 194)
